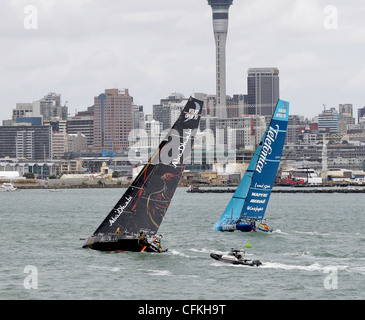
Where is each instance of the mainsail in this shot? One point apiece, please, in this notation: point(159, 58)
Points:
point(144, 204)
point(252, 195)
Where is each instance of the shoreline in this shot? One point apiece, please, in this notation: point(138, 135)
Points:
point(317, 189)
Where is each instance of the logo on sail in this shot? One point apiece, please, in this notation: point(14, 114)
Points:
point(266, 147)
point(193, 113)
point(181, 147)
point(120, 210)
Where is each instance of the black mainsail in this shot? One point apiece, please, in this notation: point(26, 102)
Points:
point(143, 206)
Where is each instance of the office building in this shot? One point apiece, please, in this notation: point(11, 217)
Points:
point(330, 121)
point(112, 120)
point(138, 117)
point(82, 123)
point(347, 111)
point(29, 142)
point(220, 10)
point(168, 108)
point(262, 90)
point(360, 113)
point(46, 108)
point(77, 142)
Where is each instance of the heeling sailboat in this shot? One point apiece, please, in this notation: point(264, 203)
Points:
point(140, 211)
point(246, 209)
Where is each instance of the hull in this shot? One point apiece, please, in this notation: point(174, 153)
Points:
point(232, 226)
point(244, 226)
point(113, 242)
point(231, 260)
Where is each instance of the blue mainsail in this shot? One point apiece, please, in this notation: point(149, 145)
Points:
point(252, 195)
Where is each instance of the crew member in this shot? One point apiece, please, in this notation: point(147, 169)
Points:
point(142, 241)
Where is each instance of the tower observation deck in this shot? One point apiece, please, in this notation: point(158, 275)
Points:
point(220, 10)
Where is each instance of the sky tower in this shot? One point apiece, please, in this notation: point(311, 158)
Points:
point(220, 26)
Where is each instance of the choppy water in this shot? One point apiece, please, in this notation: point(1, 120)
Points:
point(316, 252)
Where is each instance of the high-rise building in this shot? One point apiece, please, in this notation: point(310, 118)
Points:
point(82, 123)
point(48, 107)
point(347, 111)
point(262, 90)
point(360, 113)
point(29, 142)
point(112, 120)
point(220, 10)
point(166, 110)
point(138, 117)
point(331, 121)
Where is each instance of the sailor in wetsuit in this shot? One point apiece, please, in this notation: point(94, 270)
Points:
point(142, 241)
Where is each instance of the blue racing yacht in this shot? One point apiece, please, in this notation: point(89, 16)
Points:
point(246, 209)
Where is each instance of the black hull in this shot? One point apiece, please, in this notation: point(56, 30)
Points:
point(118, 243)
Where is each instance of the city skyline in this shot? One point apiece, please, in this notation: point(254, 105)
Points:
point(167, 46)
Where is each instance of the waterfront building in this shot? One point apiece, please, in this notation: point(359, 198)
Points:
point(349, 156)
point(220, 10)
point(262, 90)
point(112, 120)
point(29, 142)
point(59, 144)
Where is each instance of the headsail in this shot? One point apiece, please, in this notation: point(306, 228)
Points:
point(144, 204)
point(252, 195)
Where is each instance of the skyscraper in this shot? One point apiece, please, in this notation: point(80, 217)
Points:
point(262, 90)
point(112, 120)
point(220, 10)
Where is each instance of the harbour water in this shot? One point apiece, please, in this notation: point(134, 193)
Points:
point(315, 252)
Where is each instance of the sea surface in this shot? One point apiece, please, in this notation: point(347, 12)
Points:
point(315, 252)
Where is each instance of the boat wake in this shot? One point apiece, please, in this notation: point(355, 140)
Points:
point(159, 273)
point(277, 265)
point(203, 250)
point(178, 253)
point(313, 267)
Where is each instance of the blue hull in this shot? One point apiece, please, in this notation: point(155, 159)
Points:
point(243, 226)
point(232, 226)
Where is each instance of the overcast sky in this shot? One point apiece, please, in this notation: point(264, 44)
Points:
point(154, 48)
